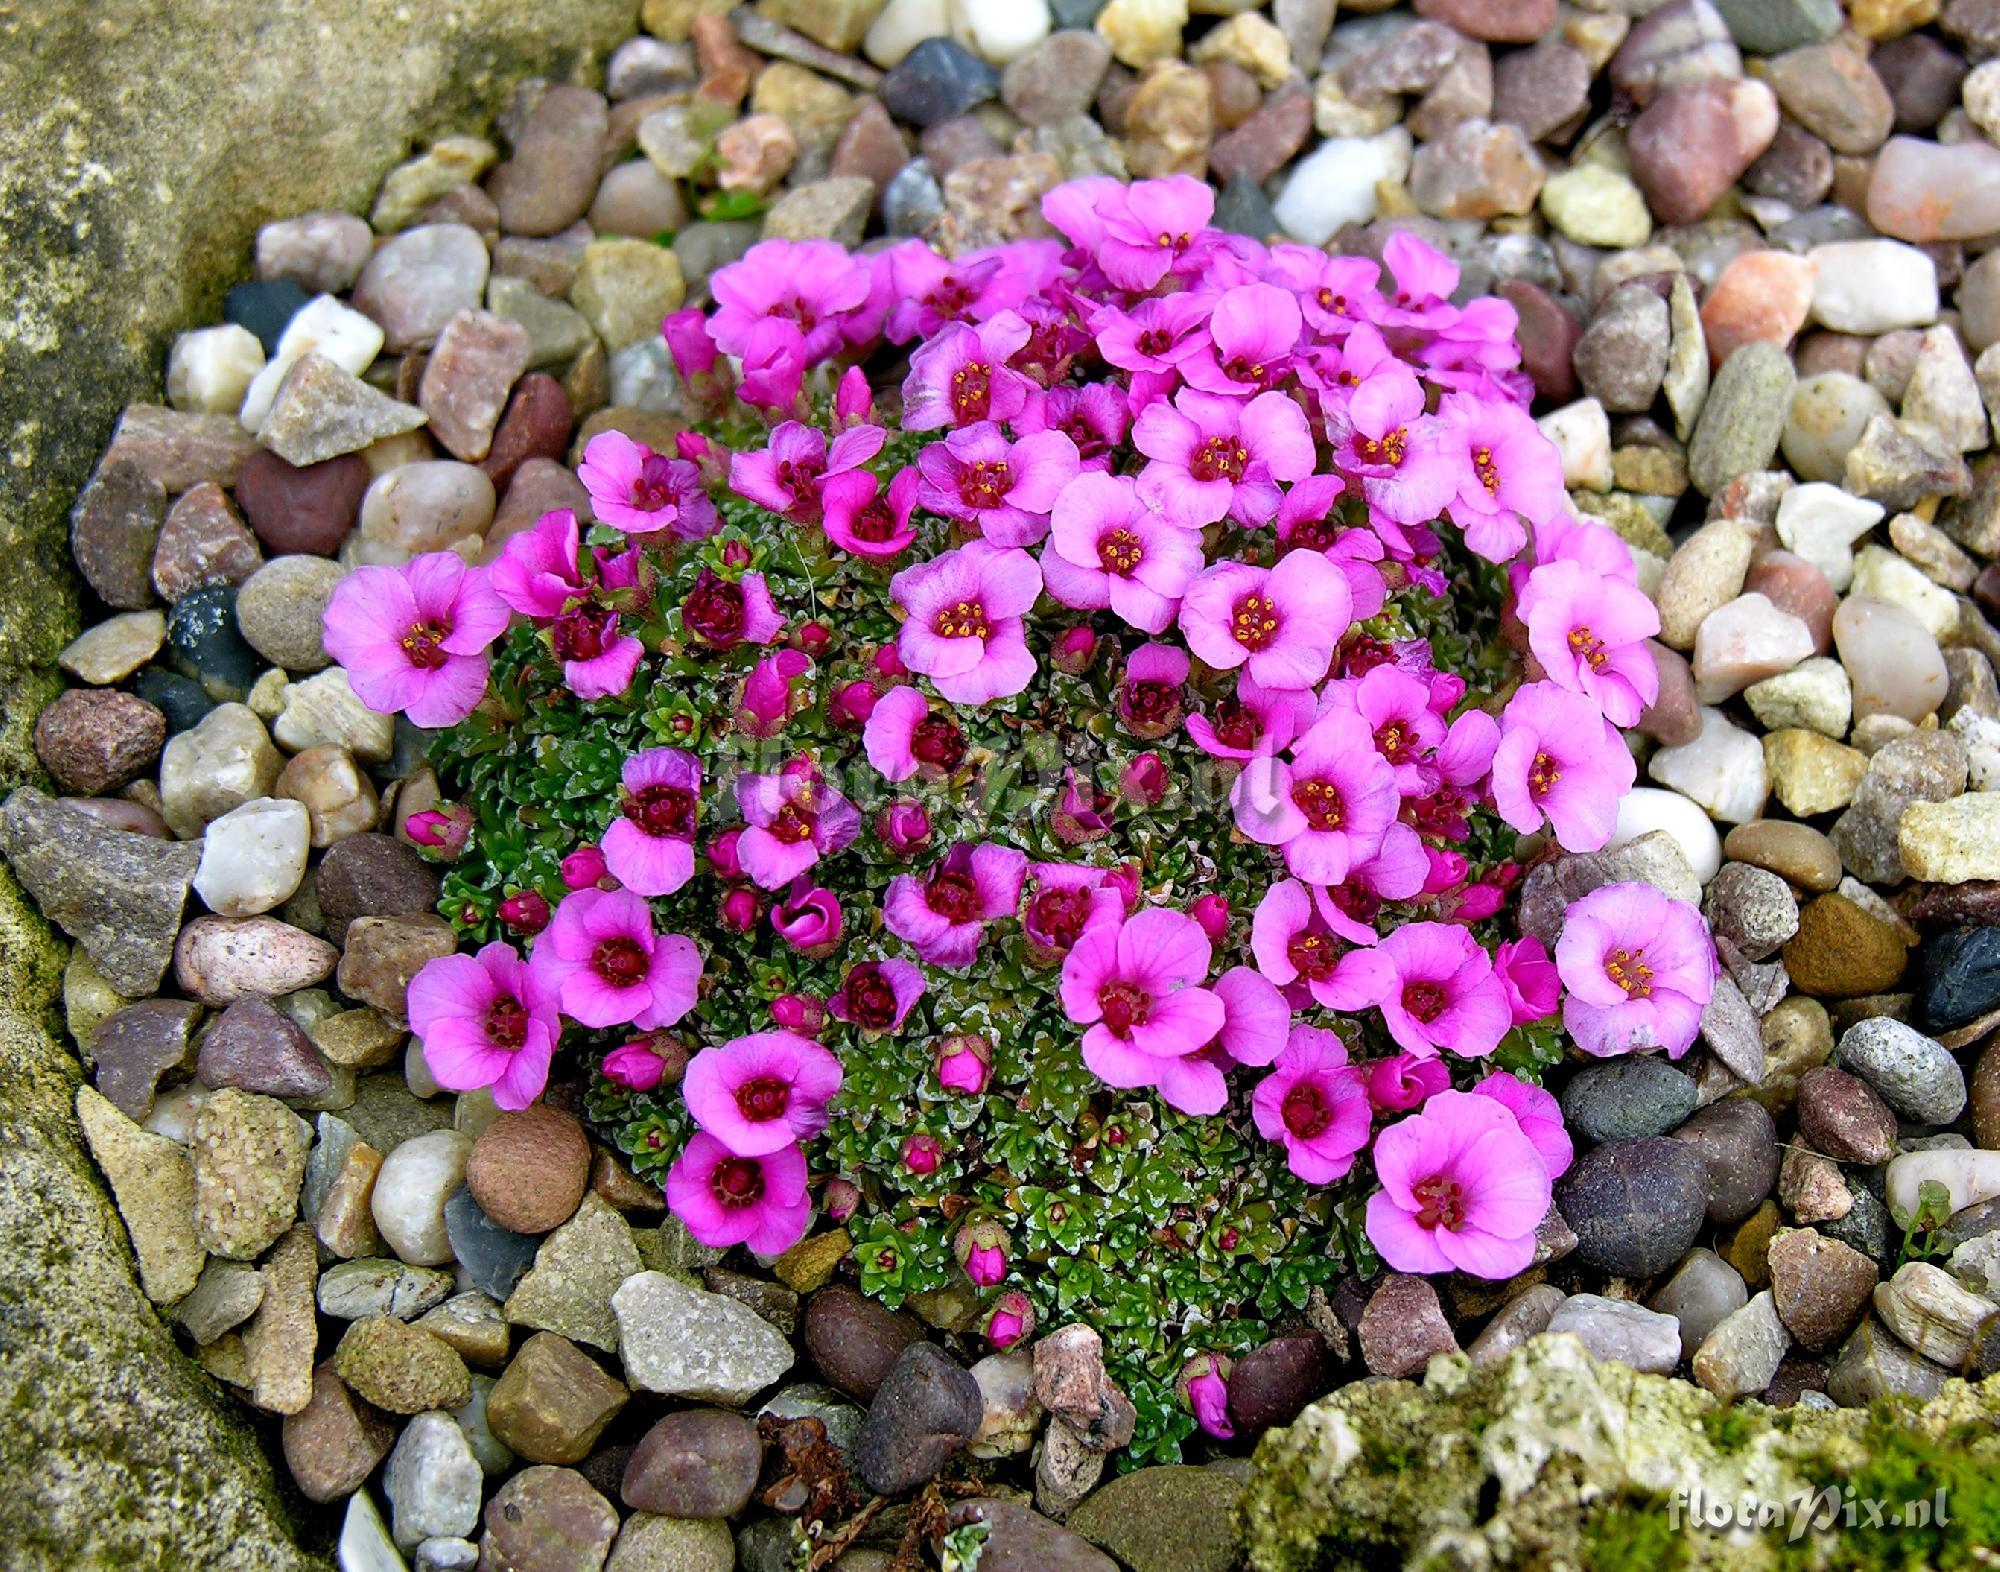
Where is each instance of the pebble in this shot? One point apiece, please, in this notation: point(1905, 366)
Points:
point(547, 1520)
point(698, 1463)
point(1272, 1384)
point(301, 509)
point(1739, 1143)
point(1581, 433)
point(205, 643)
point(1073, 1385)
point(554, 1401)
point(939, 79)
point(1926, 1307)
point(1703, 1291)
point(1891, 658)
point(1746, 641)
point(624, 287)
point(1019, 1539)
point(1873, 1364)
point(204, 542)
point(1812, 774)
point(335, 1442)
point(1166, 1519)
point(1336, 183)
point(1627, 1098)
point(1403, 1327)
point(94, 741)
point(1622, 355)
point(1478, 170)
point(548, 183)
point(1829, 411)
point(1961, 977)
point(1743, 417)
point(1759, 295)
point(1012, 1414)
point(1740, 1357)
point(1872, 286)
point(433, 505)
point(1689, 145)
point(220, 959)
point(210, 369)
point(1621, 1331)
point(925, 1411)
point(383, 954)
point(401, 1368)
point(491, 1259)
point(113, 528)
point(853, 1340)
point(253, 857)
point(1722, 770)
point(1922, 191)
point(372, 875)
point(1635, 1206)
point(323, 710)
point(686, 1342)
point(416, 1180)
point(1646, 809)
point(1842, 951)
point(139, 1045)
point(1820, 1286)
point(576, 1271)
point(1524, 1316)
point(1751, 907)
point(1914, 1075)
point(1841, 1115)
point(419, 280)
point(1952, 842)
point(249, 1157)
point(528, 1169)
point(433, 1481)
point(252, 1047)
point(154, 1184)
point(1969, 1176)
point(471, 1323)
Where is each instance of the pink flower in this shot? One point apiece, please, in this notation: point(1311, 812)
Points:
point(1589, 632)
point(981, 1248)
point(1153, 229)
point(944, 914)
point(1560, 759)
point(686, 333)
point(1444, 994)
point(860, 518)
point(960, 376)
point(585, 867)
point(413, 639)
point(809, 919)
point(903, 828)
point(774, 365)
point(1462, 1189)
point(536, 574)
point(1255, 1015)
point(597, 660)
point(1639, 967)
point(809, 286)
point(1529, 976)
point(964, 628)
point(723, 613)
point(1255, 720)
point(634, 1066)
point(485, 1020)
point(1213, 456)
point(931, 290)
point(1404, 1081)
point(1568, 538)
point(440, 833)
point(1011, 1319)
point(1002, 489)
point(1107, 548)
point(1381, 435)
point(639, 491)
point(793, 819)
point(787, 475)
point(650, 845)
point(602, 958)
point(1136, 988)
point(728, 1200)
point(1095, 417)
point(1204, 1389)
point(1152, 696)
point(803, 1013)
point(1313, 1103)
point(1212, 912)
point(1537, 1113)
point(761, 1093)
point(1253, 330)
point(1396, 706)
point(1155, 335)
point(1328, 808)
point(1066, 898)
point(766, 704)
point(1297, 938)
point(921, 1155)
point(902, 737)
point(964, 1064)
point(877, 996)
point(526, 912)
point(1280, 624)
point(1511, 472)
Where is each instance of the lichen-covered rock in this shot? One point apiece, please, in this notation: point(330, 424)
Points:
point(1551, 1458)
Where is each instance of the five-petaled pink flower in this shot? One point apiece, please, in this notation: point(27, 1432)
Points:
point(1280, 624)
point(1462, 1190)
point(1639, 968)
point(1108, 548)
point(902, 737)
point(1443, 993)
point(1252, 332)
point(485, 1020)
point(964, 628)
point(639, 491)
point(728, 1200)
point(603, 959)
point(1328, 807)
point(1136, 986)
point(1511, 473)
point(1302, 938)
point(1560, 759)
point(1002, 489)
point(414, 638)
point(650, 844)
point(761, 1093)
point(1213, 456)
point(1589, 632)
point(792, 819)
point(788, 474)
point(860, 517)
point(1315, 1104)
point(961, 375)
point(944, 913)
point(537, 573)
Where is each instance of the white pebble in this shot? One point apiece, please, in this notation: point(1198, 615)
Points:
point(1621, 1331)
point(902, 26)
point(323, 326)
point(1815, 695)
point(1887, 576)
point(1891, 658)
point(416, 1179)
point(1581, 433)
point(364, 1539)
point(1336, 185)
point(210, 369)
point(1000, 30)
point(433, 1481)
point(1872, 286)
point(1722, 770)
point(1970, 1177)
point(254, 857)
point(1743, 642)
point(1645, 809)
point(1821, 523)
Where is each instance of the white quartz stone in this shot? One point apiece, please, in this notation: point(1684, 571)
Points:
point(416, 1179)
point(254, 857)
point(902, 26)
point(1821, 523)
point(1645, 809)
point(210, 369)
point(1722, 770)
point(1581, 433)
point(1335, 185)
point(1872, 286)
point(323, 326)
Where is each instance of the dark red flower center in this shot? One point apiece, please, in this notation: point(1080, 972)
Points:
point(984, 483)
point(1305, 1111)
point(579, 635)
point(792, 824)
point(422, 640)
point(972, 391)
point(874, 523)
point(871, 1001)
point(1057, 916)
point(1125, 1005)
point(507, 1023)
point(1152, 703)
point(1236, 725)
point(1321, 803)
point(1120, 551)
point(1440, 1202)
point(962, 619)
point(1253, 622)
point(953, 896)
point(666, 811)
point(737, 1182)
point(937, 741)
point(1313, 954)
point(1388, 451)
point(652, 487)
point(1425, 1001)
point(763, 1099)
point(1542, 776)
point(1219, 458)
point(714, 610)
point(1394, 742)
point(621, 961)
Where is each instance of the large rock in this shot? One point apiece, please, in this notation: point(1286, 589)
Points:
point(135, 174)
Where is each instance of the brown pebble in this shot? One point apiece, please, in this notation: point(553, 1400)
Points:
point(1985, 1097)
point(94, 740)
point(528, 1169)
point(1797, 852)
point(1841, 1115)
point(1793, 584)
point(1842, 952)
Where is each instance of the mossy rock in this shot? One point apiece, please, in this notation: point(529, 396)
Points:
point(140, 147)
point(1550, 1459)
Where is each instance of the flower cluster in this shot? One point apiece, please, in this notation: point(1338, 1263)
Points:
point(1100, 750)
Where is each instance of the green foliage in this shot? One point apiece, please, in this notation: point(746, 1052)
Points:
point(1634, 1534)
point(1172, 1235)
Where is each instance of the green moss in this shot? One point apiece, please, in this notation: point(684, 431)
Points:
point(1634, 1534)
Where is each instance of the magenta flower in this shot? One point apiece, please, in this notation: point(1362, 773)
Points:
point(1589, 632)
point(1136, 988)
point(1066, 898)
point(1444, 994)
point(413, 639)
point(1560, 759)
point(1295, 939)
point(1255, 1015)
point(1095, 418)
point(639, 491)
point(1314, 1103)
point(1254, 720)
point(728, 1200)
point(903, 828)
point(1403, 458)
point(598, 661)
point(1529, 976)
point(859, 517)
point(1639, 967)
point(485, 1020)
point(964, 1064)
point(761, 1093)
point(1252, 333)
point(931, 290)
point(809, 919)
point(786, 476)
point(650, 844)
point(944, 913)
point(1328, 808)
point(964, 627)
point(774, 366)
point(634, 1066)
point(1462, 1189)
point(603, 960)
point(686, 333)
point(1404, 1081)
point(1537, 1113)
point(1204, 1389)
point(1011, 1319)
point(767, 698)
point(1214, 456)
point(1002, 489)
point(809, 286)
point(1280, 624)
point(1397, 708)
point(960, 377)
point(793, 818)
point(536, 573)
point(981, 1248)
point(1333, 290)
point(1152, 698)
point(1511, 472)
point(1153, 230)
point(1154, 335)
point(902, 737)
point(1107, 548)
point(877, 996)
point(724, 613)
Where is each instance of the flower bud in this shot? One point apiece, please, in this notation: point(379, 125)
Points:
point(1011, 1319)
point(584, 867)
point(1074, 650)
point(981, 1248)
point(1398, 1084)
point(814, 637)
point(840, 1200)
point(850, 706)
point(888, 663)
point(527, 913)
point(641, 1066)
point(735, 554)
point(922, 1154)
point(1145, 780)
point(440, 832)
point(1203, 1387)
point(803, 1013)
point(853, 400)
point(809, 919)
point(1479, 902)
point(904, 828)
point(1447, 872)
point(964, 1063)
point(740, 910)
point(722, 856)
point(686, 333)
point(1212, 912)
